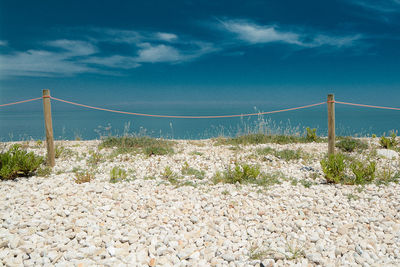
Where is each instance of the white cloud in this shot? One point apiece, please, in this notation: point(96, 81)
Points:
point(3, 43)
point(261, 34)
point(336, 41)
point(382, 6)
point(115, 61)
point(255, 34)
point(39, 63)
point(168, 37)
point(74, 47)
point(158, 53)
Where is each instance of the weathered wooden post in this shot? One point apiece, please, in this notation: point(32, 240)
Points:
point(331, 124)
point(49, 128)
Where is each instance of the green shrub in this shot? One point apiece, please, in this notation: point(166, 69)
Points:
point(95, 158)
point(63, 152)
point(43, 171)
point(147, 145)
point(186, 170)
point(349, 144)
point(170, 176)
point(288, 154)
point(265, 151)
point(389, 143)
point(334, 168)
point(363, 173)
point(242, 173)
point(311, 135)
point(252, 139)
point(117, 175)
point(17, 162)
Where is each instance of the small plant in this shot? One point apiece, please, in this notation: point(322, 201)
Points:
point(186, 170)
point(43, 171)
point(59, 151)
point(197, 153)
point(259, 138)
point(157, 150)
point(265, 151)
point(117, 175)
point(256, 253)
point(334, 167)
point(95, 158)
point(244, 173)
point(241, 173)
point(387, 175)
point(288, 154)
point(352, 197)
point(373, 135)
point(389, 143)
point(363, 173)
point(62, 152)
point(83, 177)
point(39, 143)
point(306, 183)
point(295, 251)
point(134, 144)
point(169, 175)
point(349, 144)
point(225, 192)
point(311, 135)
point(17, 162)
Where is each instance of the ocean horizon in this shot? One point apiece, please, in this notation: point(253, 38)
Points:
point(25, 121)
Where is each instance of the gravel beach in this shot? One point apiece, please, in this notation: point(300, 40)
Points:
point(145, 220)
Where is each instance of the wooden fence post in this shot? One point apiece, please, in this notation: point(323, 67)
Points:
point(49, 128)
point(331, 124)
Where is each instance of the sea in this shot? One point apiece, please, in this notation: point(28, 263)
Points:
point(25, 121)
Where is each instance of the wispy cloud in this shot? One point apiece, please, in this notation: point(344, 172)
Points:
point(3, 43)
point(158, 53)
point(73, 47)
point(68, 57)
point(253, 33)
point(115, 61)
point(166, 36)
point(383, 6)
point(40, 63)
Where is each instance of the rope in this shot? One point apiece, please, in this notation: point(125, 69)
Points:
point(367, 106)
point(186, 117)
point(196, 117)
point(20, 102)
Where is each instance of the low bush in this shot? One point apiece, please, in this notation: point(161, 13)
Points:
point(17, 162)
point(253, 139)
point(244, 173)
point(186, 170)
point(132, 144)
point(363, 173)
point(311, 135)
point(288, 154)
point(349, 144)
point(337, 169)
point(334, 168)
point(389, 143)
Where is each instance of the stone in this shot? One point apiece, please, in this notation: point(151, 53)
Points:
point(315, 258)
point(228, 257)
point(387, 153)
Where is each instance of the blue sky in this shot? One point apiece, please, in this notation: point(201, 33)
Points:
point(255, 52)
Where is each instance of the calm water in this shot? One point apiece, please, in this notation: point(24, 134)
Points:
point(25, 121)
